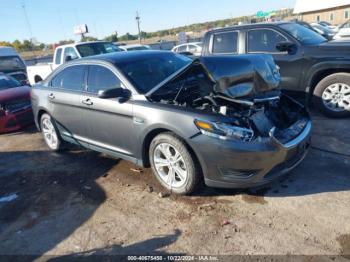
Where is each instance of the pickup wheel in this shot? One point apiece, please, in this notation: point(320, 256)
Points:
point(50, 133)
point(332, 95)
point(173, 164)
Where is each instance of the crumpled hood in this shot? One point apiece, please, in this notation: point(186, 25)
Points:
point(16, 93)
point(242, 75)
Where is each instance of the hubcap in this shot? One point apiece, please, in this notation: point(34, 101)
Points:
point(336, 97)
point(49, 133)
point(170, 165)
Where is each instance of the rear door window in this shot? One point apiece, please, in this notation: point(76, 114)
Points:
point(225, 43)
point(101, 78)
point(58, 56)
point(264, 41)
point(70, 78)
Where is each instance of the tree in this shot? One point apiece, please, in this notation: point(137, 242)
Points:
point(112, 38)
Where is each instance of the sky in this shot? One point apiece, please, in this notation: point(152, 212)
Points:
point(53, 20)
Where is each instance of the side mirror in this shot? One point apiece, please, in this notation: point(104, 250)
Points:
point(286, 47)
point(122, 93)
point(68, 58)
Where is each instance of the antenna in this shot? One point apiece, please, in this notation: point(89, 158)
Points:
point(138, 25)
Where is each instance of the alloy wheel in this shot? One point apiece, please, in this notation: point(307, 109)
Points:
point(336, 97)
point(170, 165)
point(49, 133)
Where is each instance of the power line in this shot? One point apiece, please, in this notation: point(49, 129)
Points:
point(28, 25)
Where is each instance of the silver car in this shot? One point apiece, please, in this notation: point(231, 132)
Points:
point(220, 120)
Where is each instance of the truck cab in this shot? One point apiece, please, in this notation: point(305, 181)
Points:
point(312, 68)
point(66, 53)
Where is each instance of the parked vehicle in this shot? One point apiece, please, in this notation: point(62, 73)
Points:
point(230, 128)
point(194, 48)
point(134, 47)
point(308, 62)
point(328, 25)
point(343, 32)
point(12, 64)
point(66, 53)
point(324, 31)
point(15, 105)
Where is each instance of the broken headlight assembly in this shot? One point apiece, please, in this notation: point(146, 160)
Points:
point(224, 131)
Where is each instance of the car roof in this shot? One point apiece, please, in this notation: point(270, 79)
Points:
point(243, 26)
point(120, 57)
point(81, 43)
point(7, 51)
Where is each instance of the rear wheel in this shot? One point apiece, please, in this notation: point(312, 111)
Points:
point(332, 95)
point(173, 164)
point(50, 133)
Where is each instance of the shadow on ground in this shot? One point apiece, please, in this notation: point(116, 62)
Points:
point(44, 182)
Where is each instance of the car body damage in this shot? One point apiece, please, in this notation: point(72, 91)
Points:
point(171, 113)
point(245, 90)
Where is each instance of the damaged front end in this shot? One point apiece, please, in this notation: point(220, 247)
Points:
point(243, 90)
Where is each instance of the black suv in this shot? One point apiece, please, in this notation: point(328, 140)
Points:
point(308, 62)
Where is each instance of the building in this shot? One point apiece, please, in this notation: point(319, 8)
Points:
point(333, 11)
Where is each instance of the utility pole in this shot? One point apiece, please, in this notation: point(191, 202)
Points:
point(138, 25)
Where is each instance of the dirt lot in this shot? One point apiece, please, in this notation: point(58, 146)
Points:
point(81, 201)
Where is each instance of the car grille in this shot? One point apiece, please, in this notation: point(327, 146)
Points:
point(17, 105)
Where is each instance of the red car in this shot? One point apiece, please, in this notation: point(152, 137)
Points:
point(15, 105)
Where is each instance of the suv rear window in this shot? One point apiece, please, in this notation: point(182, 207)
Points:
point(225, 43)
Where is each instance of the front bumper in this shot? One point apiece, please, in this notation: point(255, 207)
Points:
point(231, 164)
point(15, 121)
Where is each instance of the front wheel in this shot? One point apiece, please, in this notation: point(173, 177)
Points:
point(332, 95)
point(50, 133)
point(173, 164)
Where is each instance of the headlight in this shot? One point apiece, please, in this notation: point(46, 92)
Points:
point(224, 131)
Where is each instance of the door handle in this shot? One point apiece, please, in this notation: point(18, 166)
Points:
point(87, 102)
point(51, 96)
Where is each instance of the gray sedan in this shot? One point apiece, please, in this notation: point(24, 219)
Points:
point(220, 120)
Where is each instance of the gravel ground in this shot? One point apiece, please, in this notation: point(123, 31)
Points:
point(82, 202)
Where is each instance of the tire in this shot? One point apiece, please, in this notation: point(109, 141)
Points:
point(50, 133)
point(332, 95)
point(182, 174)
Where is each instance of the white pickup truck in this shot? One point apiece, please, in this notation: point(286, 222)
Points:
point(67, 53)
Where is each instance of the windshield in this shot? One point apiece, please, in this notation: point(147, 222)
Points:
point(96, 49)
point(303, 34)
point(147, 72)
point(7, 82)
point(11, 63)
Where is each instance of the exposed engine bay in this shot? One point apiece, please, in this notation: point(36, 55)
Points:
point(245, 90)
